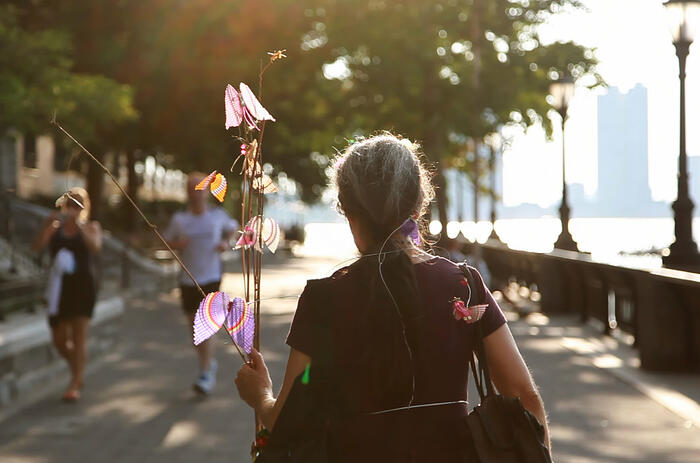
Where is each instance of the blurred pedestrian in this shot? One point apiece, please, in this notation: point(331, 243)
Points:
point(72, 240)
point(455, 248)
point(393, 333)
point(201, 233)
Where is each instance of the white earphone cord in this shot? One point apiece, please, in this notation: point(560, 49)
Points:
point(380, 261)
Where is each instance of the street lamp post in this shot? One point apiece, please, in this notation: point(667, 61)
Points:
point(562, 90)
point(683, 253)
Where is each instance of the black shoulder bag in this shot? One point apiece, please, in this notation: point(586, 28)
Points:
point(301, 433)
point(502, 429)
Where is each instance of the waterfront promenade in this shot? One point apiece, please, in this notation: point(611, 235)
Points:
point(138, 405)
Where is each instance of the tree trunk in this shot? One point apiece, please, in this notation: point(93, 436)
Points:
point(432, 147)
point(132, 189)
point(477, 174)
point(476, 39)
point(95, 187)
point(433, 143)
point(441, 197)
point(494, 193)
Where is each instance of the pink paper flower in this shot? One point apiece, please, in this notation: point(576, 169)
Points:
point(248, 238)
point(468, 314)
point(244, 106)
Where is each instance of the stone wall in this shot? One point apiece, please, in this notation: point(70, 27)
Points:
point(28, 360)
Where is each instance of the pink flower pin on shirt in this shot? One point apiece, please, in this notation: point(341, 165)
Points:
point(468, 314)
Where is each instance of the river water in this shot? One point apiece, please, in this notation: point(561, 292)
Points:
point(607, 239)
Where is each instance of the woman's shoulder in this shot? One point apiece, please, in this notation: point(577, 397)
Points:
point(313, 283)
point(440, 273)
point(439, 264)
point(434, 266)
point(428, 263)
point(341, 274)
point(345, 277)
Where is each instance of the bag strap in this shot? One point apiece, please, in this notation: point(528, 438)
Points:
point(478, 362)
point(308, 405)
point(321, 370)
point(321, 322)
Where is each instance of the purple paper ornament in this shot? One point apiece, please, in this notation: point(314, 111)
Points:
point(410, 229)
point(240, 324)
point(210, 316)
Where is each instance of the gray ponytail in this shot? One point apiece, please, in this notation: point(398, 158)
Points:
point(382, 182)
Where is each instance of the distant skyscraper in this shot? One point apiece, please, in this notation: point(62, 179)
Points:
point(623, 157)
point(577, 198)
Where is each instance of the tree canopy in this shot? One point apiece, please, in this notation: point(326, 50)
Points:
point(447, 71)
point(434, 71)
point(37, 80)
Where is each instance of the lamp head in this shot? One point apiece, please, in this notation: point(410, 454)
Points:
point(562, 90)
point(683, 18)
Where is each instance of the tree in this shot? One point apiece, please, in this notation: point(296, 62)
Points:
point(36, 80)
point(433, 70)
point(179, 58)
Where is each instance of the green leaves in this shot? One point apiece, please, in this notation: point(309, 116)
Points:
point(36, 80)
point(457, 66)
point(429, 70)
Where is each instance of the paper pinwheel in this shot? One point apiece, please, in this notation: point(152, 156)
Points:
point(250, 234)
point(248, 152)
point(265, 184)
point(216, 310)
point(261, 181)
point(240, 324)
point(243, 106)
point(210, 316)
point(216, 183)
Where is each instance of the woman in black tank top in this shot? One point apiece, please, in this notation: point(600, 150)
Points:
point(69, 230)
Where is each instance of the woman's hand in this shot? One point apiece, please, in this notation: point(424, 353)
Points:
point(92, 234)
point(55, 215)
point(51, 224)
point(254, 383)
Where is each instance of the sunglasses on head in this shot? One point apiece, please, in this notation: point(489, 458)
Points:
point(74, 203)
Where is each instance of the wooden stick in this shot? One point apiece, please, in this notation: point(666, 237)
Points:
point(235, 344)
point(153, 227)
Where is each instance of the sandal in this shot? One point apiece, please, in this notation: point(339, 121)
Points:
point(71, 395)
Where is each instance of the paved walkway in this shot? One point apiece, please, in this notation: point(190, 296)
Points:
point(138, 405)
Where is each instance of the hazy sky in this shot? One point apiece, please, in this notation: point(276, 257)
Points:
point(634, 46)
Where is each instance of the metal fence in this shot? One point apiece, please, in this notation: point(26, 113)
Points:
point(22, 287)
point(660, 308)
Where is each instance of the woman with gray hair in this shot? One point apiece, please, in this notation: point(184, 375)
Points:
point(398, 352)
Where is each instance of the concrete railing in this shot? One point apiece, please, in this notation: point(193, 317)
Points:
point(659, 307)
